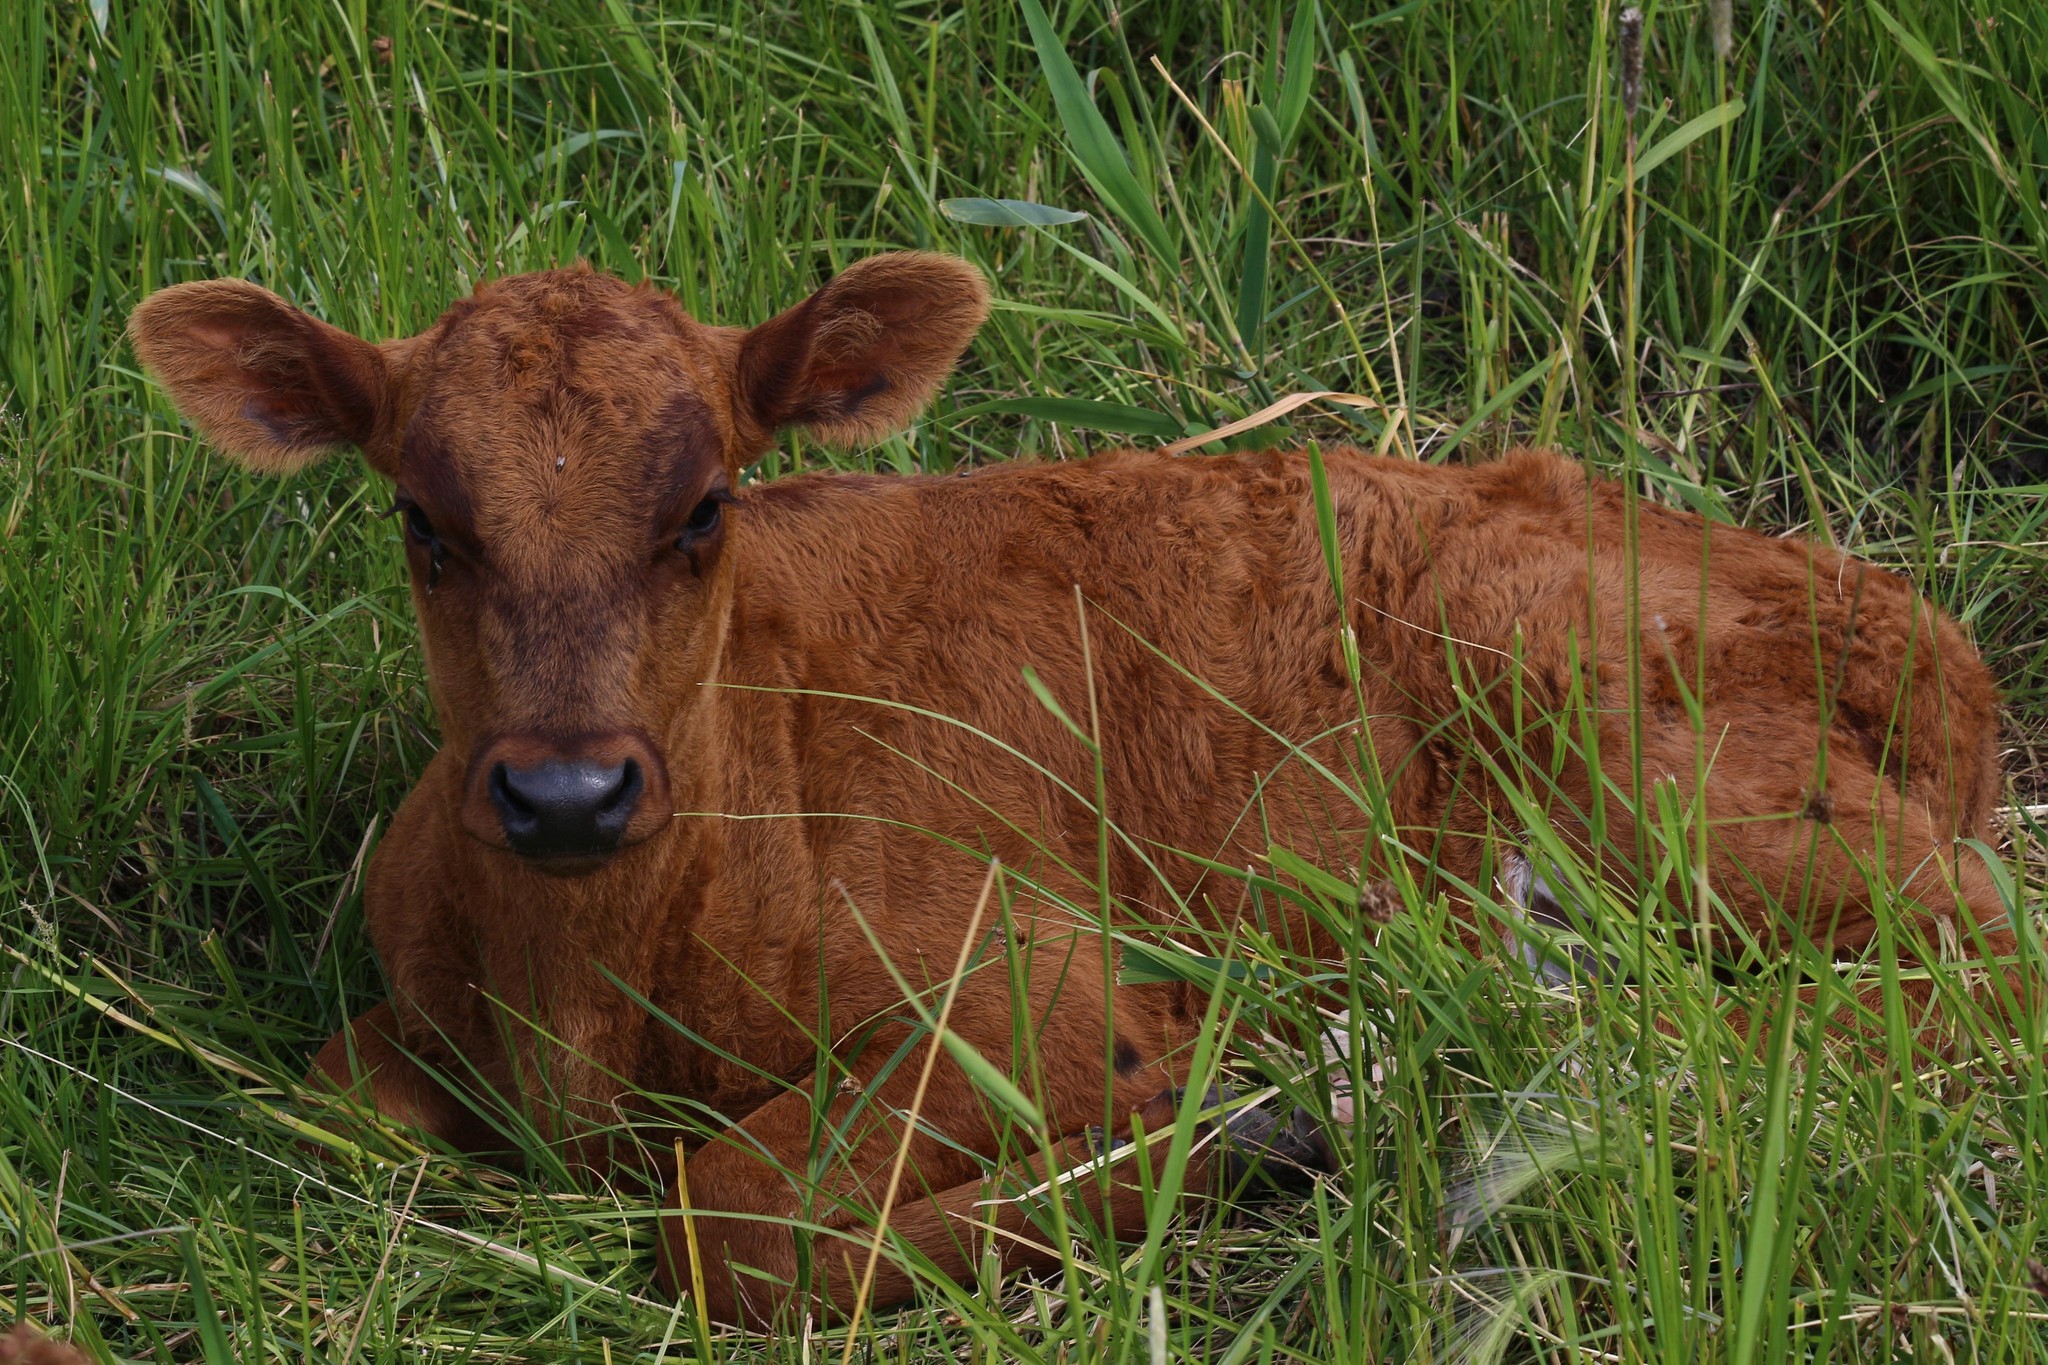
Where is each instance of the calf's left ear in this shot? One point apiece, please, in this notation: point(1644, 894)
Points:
point(861, 357)
point(272, 386)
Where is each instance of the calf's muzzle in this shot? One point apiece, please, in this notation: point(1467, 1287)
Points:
point(573, 808)
point(565, 805)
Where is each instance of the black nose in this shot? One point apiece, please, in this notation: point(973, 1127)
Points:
point(565, 809)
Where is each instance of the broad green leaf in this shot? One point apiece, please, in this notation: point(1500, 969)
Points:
point(1286, 862)
point(2001, 875)
point(1258, 235)
point(1123, 286)
point(576, 142)
point(885, 80)
point(1144, 965)
point(1288, 95)
point(1007, 213)
point(1094, 146)
point(618, 257)
point(213, 1336)
point(1083, 412)
point(1299, 77)
point(989, 1079)
point(1268, 130)
point(1326, 524)
point(1760, 1238)
point(1687, 133)
point(1499, 400)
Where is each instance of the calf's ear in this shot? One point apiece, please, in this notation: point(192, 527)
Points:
point(861, 357)
point(273, 387)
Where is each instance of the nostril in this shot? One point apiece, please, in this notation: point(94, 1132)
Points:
point(505, 795)
point(626, 794)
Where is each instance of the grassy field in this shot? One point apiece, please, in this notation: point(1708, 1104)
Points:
point(1799, 285)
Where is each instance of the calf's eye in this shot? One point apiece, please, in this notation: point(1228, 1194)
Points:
point(704, 519)
point(421, 532)
point(417, 525)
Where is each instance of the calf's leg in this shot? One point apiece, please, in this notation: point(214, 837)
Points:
point(370, 1062)
point(742, 1198)
point(1839, 861)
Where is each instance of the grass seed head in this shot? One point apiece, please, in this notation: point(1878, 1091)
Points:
point(1379, 902)
point(1631, 60)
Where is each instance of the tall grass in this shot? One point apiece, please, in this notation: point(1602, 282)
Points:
point(1814, 306)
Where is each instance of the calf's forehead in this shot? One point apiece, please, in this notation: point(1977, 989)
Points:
point(549, 394)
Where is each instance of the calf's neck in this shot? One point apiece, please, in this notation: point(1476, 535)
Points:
point(721, 750)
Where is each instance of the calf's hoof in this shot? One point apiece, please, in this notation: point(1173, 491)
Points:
point(1271, 1146)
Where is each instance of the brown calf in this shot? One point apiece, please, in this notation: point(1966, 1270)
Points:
point(719, 749)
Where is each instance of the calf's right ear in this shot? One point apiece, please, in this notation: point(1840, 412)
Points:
point(273, 387)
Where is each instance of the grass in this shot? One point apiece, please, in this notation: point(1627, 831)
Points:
point(1816, 306)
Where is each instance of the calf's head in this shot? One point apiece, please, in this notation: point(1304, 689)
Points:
point(565, 450)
